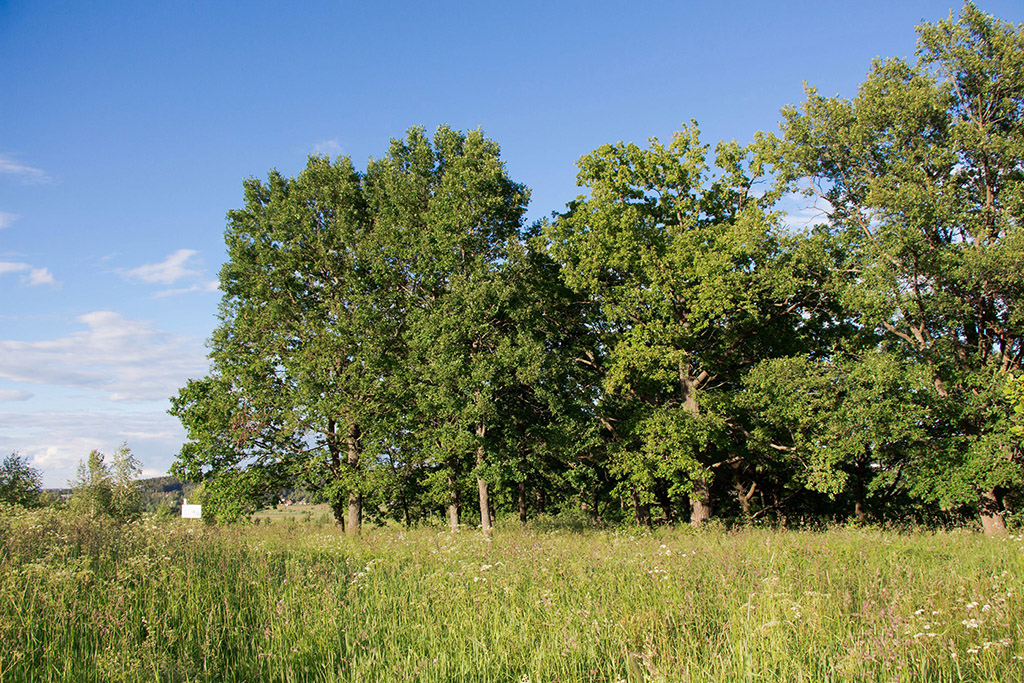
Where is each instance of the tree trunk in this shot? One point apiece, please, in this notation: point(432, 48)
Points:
point(700, 501)
point(661, 492)
point(355, 514)
point(743, 495)
point(453, 505)
point(993, 514)
point(485, 506)
point(481, 484)
point(522, 502)
point(859, 510)
point(641, 510)
point(338, 508)
point(355, 499)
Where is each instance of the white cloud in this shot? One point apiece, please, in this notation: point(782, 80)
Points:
point(167, 272)
point(329, 147)
point(123, 359)
point(54, 442)
point(27, 174)
point(7, 219)
point(14, 395)
point(40, 276)
point(211, 286)
point(33, 278)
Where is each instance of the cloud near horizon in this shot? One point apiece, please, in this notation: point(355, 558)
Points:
point(55, 442)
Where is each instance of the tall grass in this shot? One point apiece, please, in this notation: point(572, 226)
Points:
point(88, 601)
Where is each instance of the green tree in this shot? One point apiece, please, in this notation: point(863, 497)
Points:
point(92, 488)
point(852, 425)
point(126, 494)
point(20, 483)
point(692, 279)
point(922, 178)
point(454, 219)
point(297, 359)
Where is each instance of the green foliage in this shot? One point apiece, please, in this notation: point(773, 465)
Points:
point(1014, 393)
point(921, 179)
point(126, 495)
point(853, 423)
point(693, 282)
point(20, 483)
point(91, 490)
point(102, 490)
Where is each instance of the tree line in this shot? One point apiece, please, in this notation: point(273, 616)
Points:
point(667, 348)
point(100, 489)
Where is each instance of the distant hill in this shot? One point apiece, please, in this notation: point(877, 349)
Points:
point(164, 484)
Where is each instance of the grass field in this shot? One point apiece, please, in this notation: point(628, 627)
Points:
point(88, 601)
point(299, 512)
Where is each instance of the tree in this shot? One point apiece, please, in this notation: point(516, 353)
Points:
point(92, 490)
point(102, 490)
point(297, 358)
point(354, 325)
point(922, 177)
point(20, 483)
point(126, 495)
point(692, 280)
point(852, 425)
point(453, 217)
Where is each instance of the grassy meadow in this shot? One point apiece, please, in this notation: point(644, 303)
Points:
point(181, 601)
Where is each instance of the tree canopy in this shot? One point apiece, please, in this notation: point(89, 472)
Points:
point(400, 342)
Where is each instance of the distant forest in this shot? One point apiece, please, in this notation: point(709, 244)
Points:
point(669, 348)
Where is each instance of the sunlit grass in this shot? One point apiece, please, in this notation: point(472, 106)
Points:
point(300, 602)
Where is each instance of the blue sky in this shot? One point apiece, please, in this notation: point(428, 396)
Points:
point(126, 129)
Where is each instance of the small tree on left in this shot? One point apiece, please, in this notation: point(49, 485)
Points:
point(20, 483)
